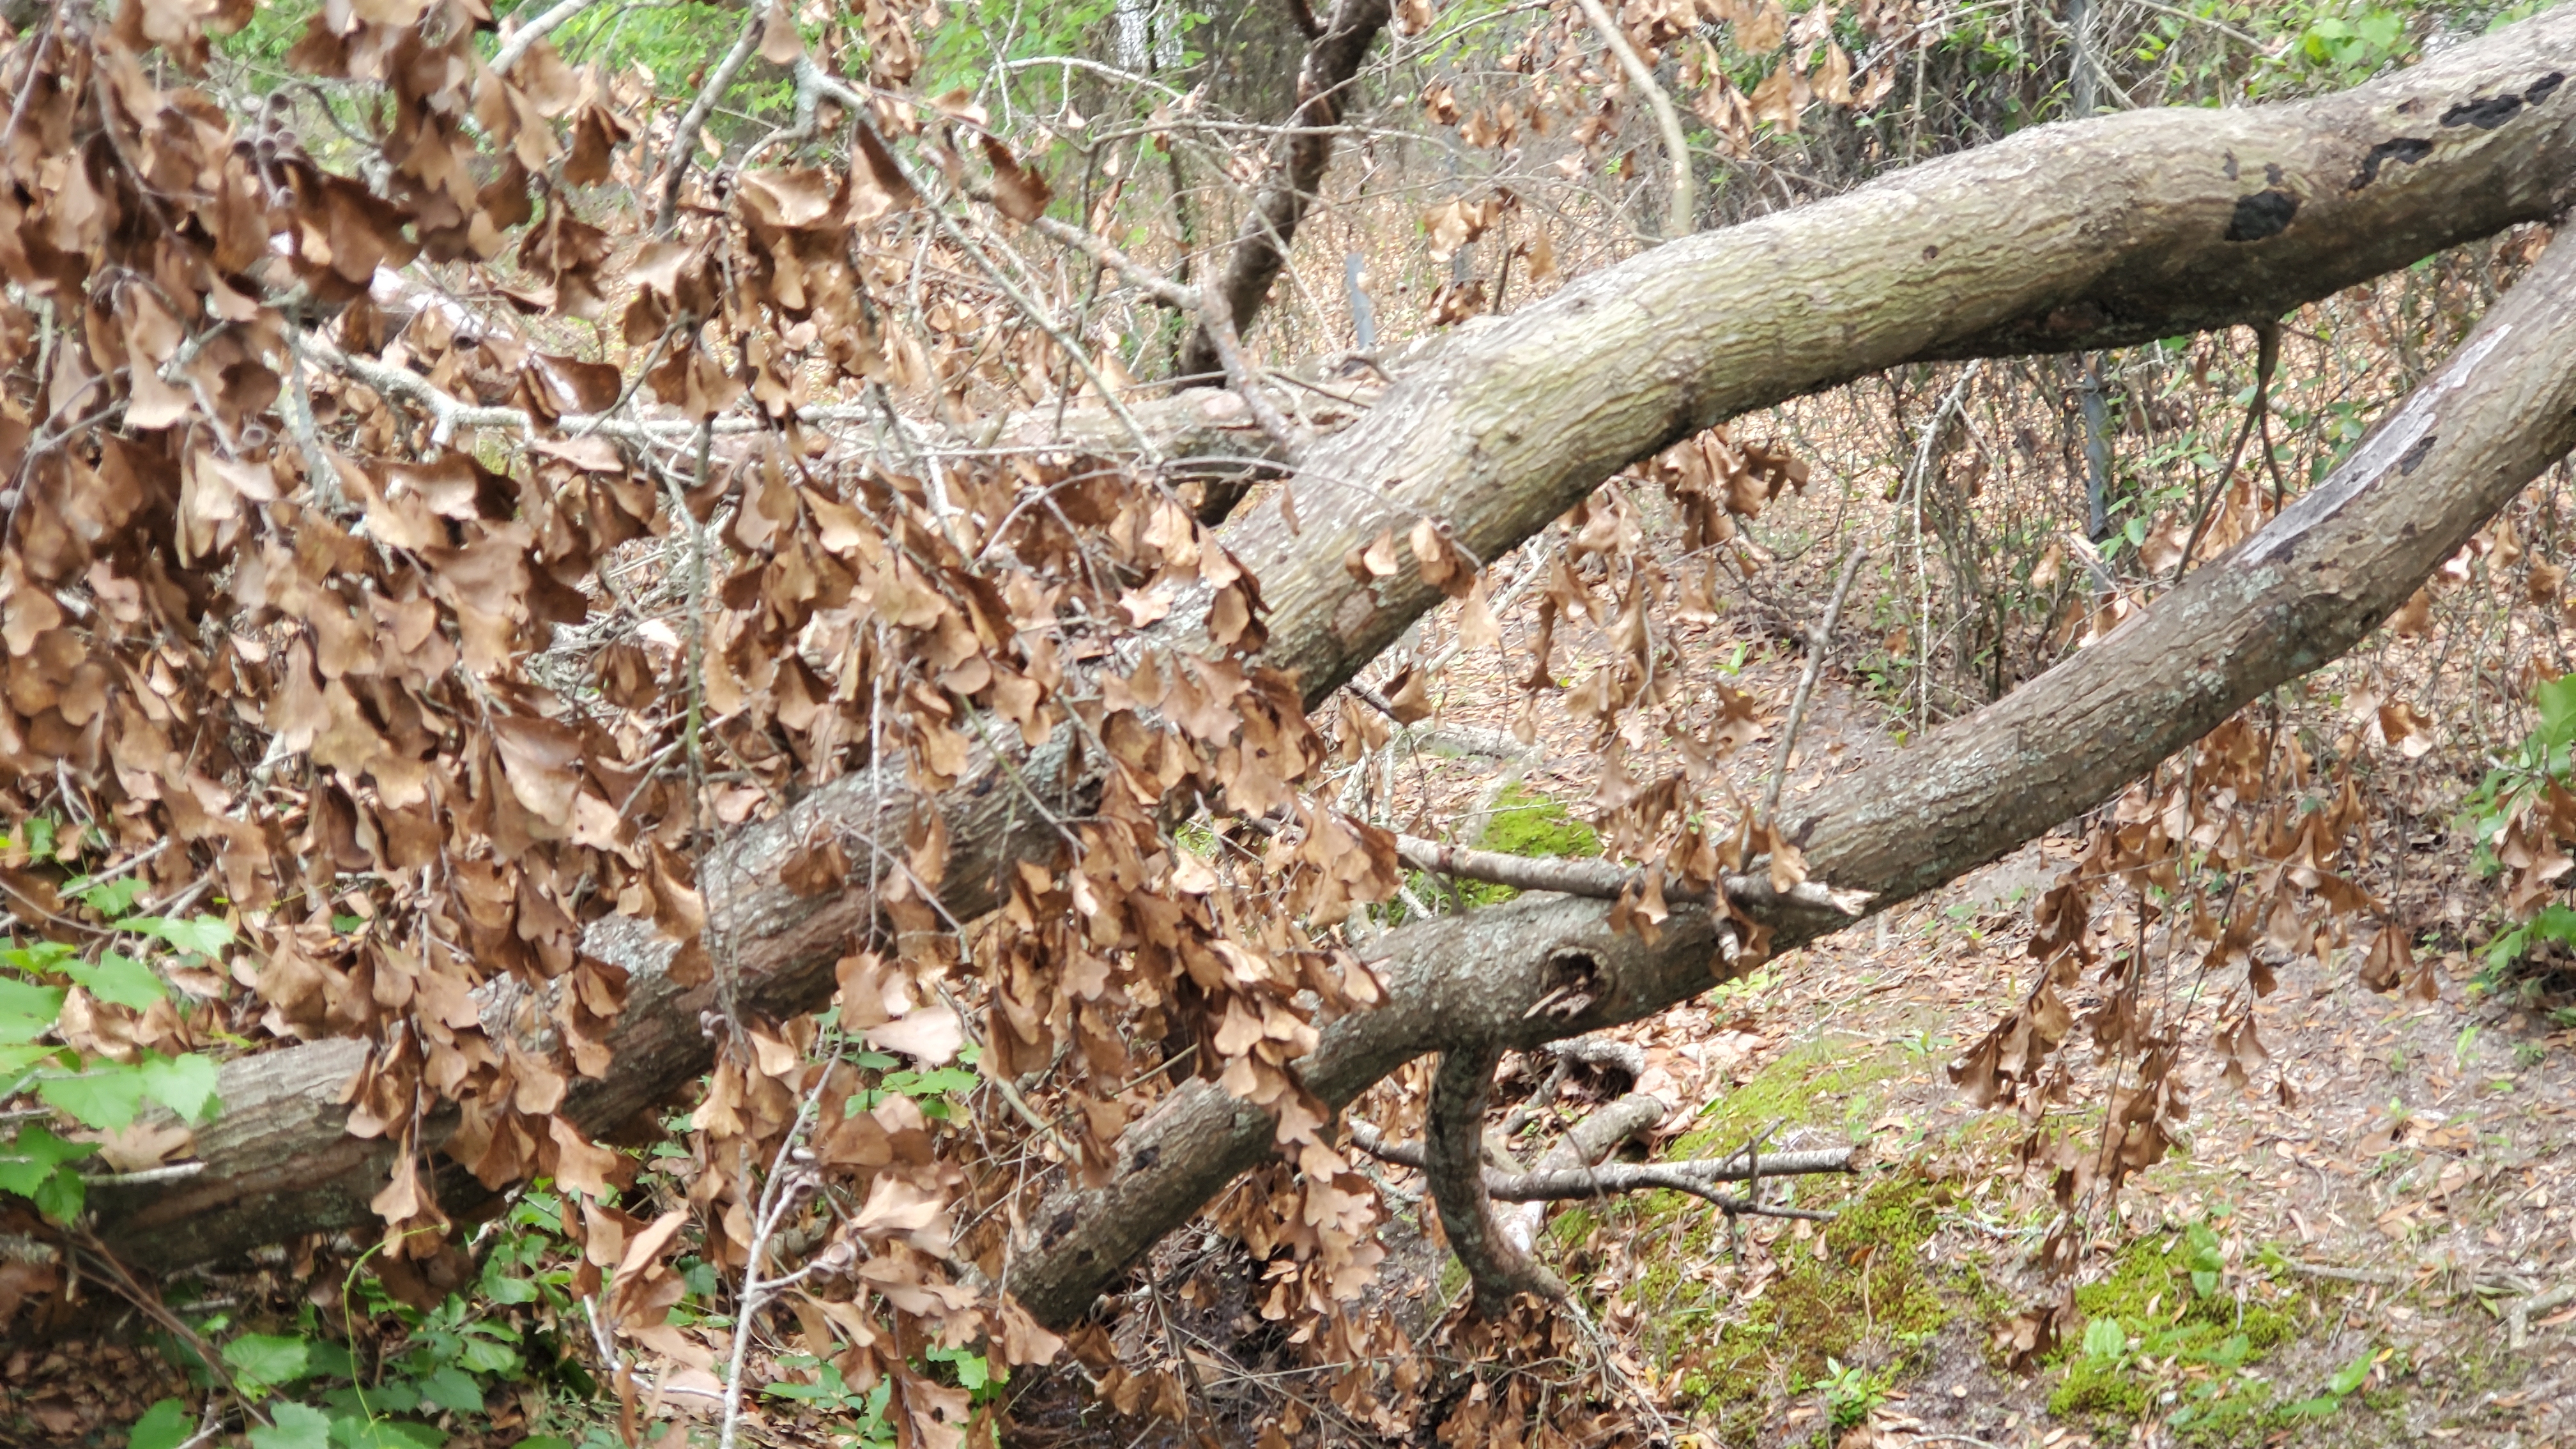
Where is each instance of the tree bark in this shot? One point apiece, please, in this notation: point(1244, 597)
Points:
point(2312, 584)
point(2111, 231)
point(1324, 82)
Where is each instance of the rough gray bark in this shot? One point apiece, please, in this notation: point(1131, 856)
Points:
point(2083, 235)
point(1499, 1263)
point(2312, 584)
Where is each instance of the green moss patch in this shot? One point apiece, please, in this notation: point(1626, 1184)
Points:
point(1871, 1297)
point(1822, 1083)
point(2171, 1332)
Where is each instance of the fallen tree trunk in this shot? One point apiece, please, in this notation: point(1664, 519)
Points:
point(2088, 234)
point(2307, 588)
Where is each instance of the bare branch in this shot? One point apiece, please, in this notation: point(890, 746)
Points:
point(1453, 1161)
point(1324, 79)
point(684, 141)
point(1819, 640)
point(1683, 219)
point(535, 30)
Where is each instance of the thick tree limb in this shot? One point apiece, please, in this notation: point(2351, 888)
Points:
point(1324, 83)
point(1591, 1140)
point(2313, 583)
point(2111, 231)
point(1453, 1163)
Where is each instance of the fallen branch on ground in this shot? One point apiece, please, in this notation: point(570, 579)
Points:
point(2073, 236)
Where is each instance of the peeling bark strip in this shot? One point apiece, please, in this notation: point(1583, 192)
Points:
point(2082, 235)
point(2295, 596)
point(1324, 82)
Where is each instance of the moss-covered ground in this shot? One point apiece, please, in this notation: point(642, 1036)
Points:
point(2172, 1328)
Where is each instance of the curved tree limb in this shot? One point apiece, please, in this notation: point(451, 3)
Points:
point(1453, 1161)
point(2312, 584)
point(2111, 231)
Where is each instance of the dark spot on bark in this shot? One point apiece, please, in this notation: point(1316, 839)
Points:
point(2400, 148)
point(1930, 252)
point(2486, 112)
point(2543, 88)
point(2410, 105)
point(1147, 1157)
point(2271, 173)
point(2230, 168)
point(1061, 1225)
point(2264, 214)
point(2415, 456)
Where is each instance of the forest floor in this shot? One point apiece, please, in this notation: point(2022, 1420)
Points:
point(2368, 1244)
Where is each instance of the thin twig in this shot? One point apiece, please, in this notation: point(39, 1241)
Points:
point(1683, 219)
point(1218, 321)
point(2267, 356)
point(1819, 642)
point(684, 141)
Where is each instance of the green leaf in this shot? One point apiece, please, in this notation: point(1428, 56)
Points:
point(270, 1358)
point(2104, 1338)
point(103, 1094)
point(119, 978)
point(36, 955)
point(60, 1196)
point(2557, 701)
point(359, 1433)
point(33, 1153)
point(508, 1289)
point(184, 1084)
point(17, 1059)
point(479, 1356)
point(27, 1011)
point(204, 935)
point(296, 1426)
point(452, 1389)
point(2349, 1377)
point(111, 899)
point(165, 1425)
